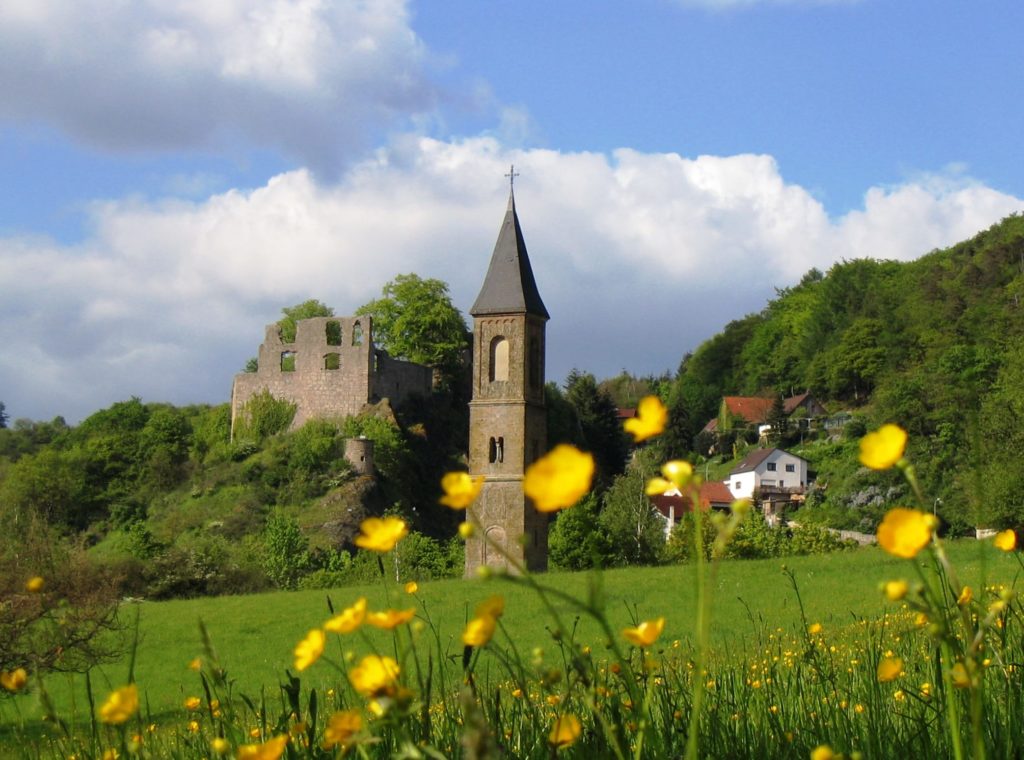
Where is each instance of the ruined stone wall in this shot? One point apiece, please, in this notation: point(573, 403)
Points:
point(396, 380)
point(330, 370)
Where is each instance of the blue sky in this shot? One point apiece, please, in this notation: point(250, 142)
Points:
point(173, 173)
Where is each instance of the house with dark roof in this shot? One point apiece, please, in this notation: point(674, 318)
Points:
point(768, 471)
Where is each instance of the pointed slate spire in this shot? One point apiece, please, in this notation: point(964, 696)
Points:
point(509, 287)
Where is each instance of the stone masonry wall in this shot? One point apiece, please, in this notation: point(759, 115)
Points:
point(334, 376)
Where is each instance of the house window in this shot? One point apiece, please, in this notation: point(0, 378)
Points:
point(790, 468)
point(771, 467)
point(737, 486)
point(498, 365)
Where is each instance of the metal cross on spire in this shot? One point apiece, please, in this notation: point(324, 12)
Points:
point(512, 174)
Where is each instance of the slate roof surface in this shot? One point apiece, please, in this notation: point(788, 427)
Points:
point(755, 457)
point(509, 287)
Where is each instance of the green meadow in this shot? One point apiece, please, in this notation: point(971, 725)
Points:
point(254, 635)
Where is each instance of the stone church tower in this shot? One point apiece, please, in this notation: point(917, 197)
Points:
point(507, 418)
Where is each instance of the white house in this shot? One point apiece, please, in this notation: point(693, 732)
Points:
point(768, 469)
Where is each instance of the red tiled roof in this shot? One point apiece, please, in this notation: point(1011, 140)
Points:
point(712, 494)
point(751, 408)
point(716, 492)
point(625, 414)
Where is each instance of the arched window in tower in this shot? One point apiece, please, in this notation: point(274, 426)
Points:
point(534, 362)
point(357, 334)
point(498, 365)
point(492, 450)
point(333, 331)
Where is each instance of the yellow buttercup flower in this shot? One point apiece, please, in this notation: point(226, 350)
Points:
point(966, 595)
point(466, 530)
point(1006, 540)
point(271, 749)
point(341, 727)
point(460, 490)
point(651, 418)
point(34, 584)
point(559, 479)
point(389, 619)
point(492, 606)
point(348, 619)
point(381, 534)
point(904, 532)
point(657, 486)
point(193, 703)
point(479, 631)
point(822, 752)
point(220, 746)
point(883, 448)
point(412, 587)
point(678, 471)
point(121, 704)
point(646, 633)
point(676, 475)
point(895, 590)
point(961, 678)
point(889, 669)
point(374, 675)
point(309, 649)
point(196, 664)
point(14, 680)
point(565, 731)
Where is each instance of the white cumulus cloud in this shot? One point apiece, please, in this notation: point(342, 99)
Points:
point(316, 78)
point(638, 256)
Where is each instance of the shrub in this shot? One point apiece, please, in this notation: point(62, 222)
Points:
point(263, 416)
point(71, 624)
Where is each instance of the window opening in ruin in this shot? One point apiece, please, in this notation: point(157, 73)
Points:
point(534, 363)
point(357, 334)
point(333, 330)
point(498, 365)
point(376, 361)
point(332, 361)
point(287, 361)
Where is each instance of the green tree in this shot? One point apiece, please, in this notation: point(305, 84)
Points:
point(635, 531)
point(50, 485)
point(292, 314)
point(3, 415)
point(577, 539)
point(286, 555)
point(600, 431)
point(414, 319)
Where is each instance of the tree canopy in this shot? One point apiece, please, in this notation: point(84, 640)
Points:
point(414, 319)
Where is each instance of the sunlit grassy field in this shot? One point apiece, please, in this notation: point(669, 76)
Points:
point(254, 635)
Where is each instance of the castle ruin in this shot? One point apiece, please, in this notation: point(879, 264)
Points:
point(331, 370)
